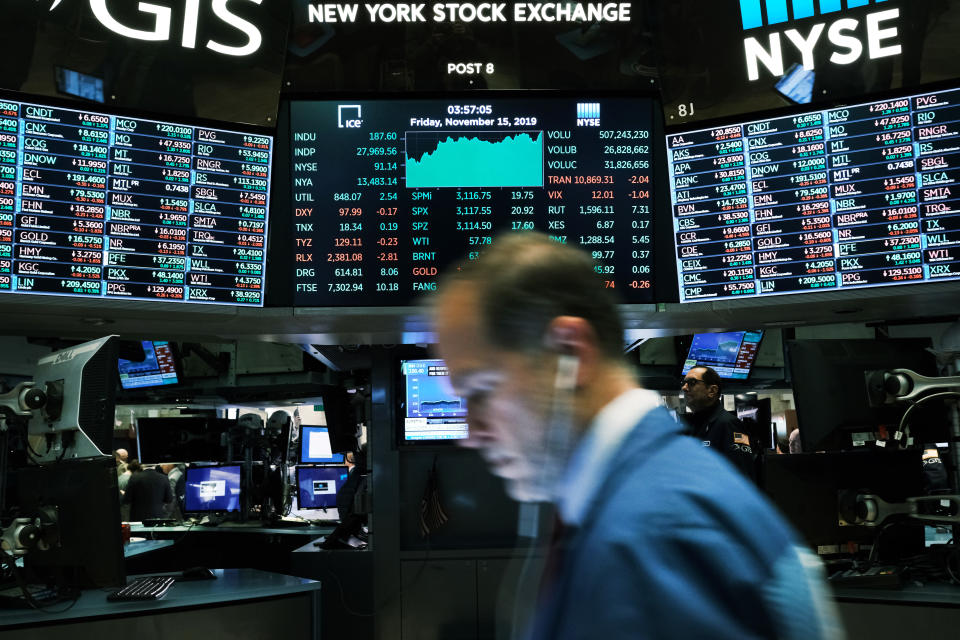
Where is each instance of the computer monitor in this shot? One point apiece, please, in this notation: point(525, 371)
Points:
point(730, 354)
point(212, 489)
point(341, 419)
point(432, 411)
point(317, 486)
point(834, 412)
point(89, 550)
point(186, 439)
point(315, 446)
point(157, 369)
point(80, 387)
point(756, 415)
point(814, 490)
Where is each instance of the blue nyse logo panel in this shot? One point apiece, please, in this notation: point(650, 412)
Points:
point(752, 11)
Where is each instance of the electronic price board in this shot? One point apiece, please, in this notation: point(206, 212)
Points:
point(387, 194)
point(109, 206)
point(857, 196)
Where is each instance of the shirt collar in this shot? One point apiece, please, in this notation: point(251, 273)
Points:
point(595, 452)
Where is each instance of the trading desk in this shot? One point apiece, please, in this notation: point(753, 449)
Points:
point(931, 611)
point(240, 603)
point(230, 544)
point(311, 531)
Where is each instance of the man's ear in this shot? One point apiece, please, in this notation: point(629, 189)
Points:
point(573, 338)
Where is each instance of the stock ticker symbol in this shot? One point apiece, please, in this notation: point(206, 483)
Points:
point(753, 11)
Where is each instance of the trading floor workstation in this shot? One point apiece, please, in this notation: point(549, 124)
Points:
point(221, 228)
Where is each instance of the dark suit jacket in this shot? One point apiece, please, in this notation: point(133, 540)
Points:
point(147, 492)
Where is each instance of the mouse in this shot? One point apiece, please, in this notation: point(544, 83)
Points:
point(198, 573)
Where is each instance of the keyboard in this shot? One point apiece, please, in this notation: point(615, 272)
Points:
point(144, 588)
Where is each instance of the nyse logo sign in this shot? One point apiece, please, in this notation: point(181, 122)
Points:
point(882, 35)
point(160, 19)
point(588, 114)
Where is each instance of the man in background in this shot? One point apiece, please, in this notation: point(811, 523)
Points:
point(120, 456)
point(646, 547)
point(148, 493)
point(178, 485)
point(713, 425)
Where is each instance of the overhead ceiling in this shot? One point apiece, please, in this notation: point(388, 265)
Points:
point(53, 316)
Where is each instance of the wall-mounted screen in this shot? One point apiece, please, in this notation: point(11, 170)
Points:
point(730, 354)
point(432, 411)
point(106, 206)
point(158, 368)
point(388, 193)
point(857, 196)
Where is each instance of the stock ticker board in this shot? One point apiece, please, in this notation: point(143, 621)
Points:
point(387, 194)
point(859, 196)
point(100, 205)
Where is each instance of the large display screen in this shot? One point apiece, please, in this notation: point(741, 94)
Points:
point(108, 206)
point(158, 368)
point(387, 194)
point(851, 197)
point(432, 410)
point(730, 354)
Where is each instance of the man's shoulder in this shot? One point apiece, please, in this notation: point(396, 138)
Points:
point(682, 483)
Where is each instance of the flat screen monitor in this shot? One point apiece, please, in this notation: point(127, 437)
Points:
point(831, 390)
point(432, 411)
point(99, 205)
point(158, 368)
point(315, 446)
point(730, 354)
point(187, 439)
point(318, 486)
point(212, 489)
point(823, 200)
point(815, 492)
point(408, 187)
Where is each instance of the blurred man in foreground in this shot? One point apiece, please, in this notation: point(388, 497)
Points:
point(648, 547)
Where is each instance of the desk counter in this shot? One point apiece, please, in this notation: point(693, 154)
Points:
point(245, 603)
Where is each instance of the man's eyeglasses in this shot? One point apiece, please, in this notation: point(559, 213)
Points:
point(689, 382)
